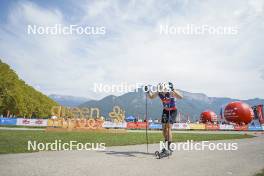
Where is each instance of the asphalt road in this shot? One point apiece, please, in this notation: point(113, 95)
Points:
point(133, 160)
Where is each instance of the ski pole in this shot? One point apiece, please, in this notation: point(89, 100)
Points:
point(146, 118)
point(168, 135)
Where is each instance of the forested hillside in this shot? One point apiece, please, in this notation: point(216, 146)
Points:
point(19, 99)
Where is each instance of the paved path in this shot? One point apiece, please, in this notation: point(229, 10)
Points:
point(133, 160)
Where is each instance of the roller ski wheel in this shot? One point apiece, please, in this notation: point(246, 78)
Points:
point(157, 154)
point(163, 154)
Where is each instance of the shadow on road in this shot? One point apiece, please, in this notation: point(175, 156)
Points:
point(127, 153)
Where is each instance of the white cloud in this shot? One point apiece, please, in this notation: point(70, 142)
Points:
point(134, 51)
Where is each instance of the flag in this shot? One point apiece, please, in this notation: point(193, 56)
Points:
point(260, 113)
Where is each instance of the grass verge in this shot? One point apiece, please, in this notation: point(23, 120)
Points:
point(13, 141)
point(260, 174)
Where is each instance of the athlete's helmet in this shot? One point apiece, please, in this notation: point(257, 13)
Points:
point(163, 87)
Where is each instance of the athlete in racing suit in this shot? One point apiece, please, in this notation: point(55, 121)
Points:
point(167, 95)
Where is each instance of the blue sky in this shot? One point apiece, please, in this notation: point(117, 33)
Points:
point(133, 50)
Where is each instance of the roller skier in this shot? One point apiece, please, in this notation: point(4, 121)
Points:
point(167, 94)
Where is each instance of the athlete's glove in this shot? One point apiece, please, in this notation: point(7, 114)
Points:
point(171, 86)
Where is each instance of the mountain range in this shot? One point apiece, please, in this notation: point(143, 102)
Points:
point(67, 100)
point(21, 99)
point(191, 105)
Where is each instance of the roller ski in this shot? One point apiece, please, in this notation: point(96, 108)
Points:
point(163, 153)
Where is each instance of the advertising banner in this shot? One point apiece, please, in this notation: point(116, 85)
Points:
point(212, 127)
point(76, 123)
point(32, 122)
point(240, 127)
point(8, 121)
point(194, 126)
point(226, 127)
point(136, 125)
point(181, 126)
point(55, 122)
point(131, 125)
point(108, 124)
point(155, 126)
point(254, 128)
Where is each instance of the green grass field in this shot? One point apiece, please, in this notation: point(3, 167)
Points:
point(260, 174)
point(14, 141)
